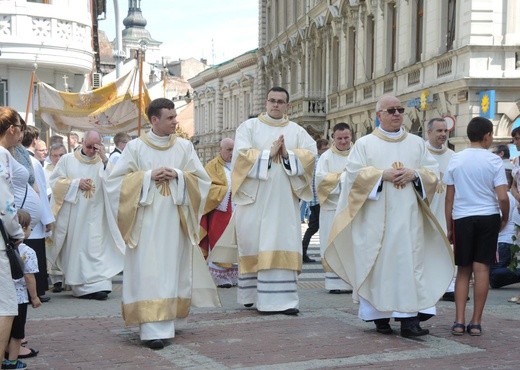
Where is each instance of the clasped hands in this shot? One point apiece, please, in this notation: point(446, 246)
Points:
point(399, 176)
point(278, 149)
point(163, 174)
point(86, 184)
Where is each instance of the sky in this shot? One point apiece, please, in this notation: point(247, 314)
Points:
point(217, 30)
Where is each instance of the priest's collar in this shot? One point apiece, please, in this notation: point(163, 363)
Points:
point(344, 153)
point(435, 150)
point(158, 142)
point(80, 156)
point(390, 136)
point(265, 118)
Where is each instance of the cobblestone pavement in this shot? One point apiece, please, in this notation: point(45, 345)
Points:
point(81, 334)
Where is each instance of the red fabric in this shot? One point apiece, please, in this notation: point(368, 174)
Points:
point(215, 222)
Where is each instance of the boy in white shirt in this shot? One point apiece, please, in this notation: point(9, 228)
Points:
point(477, 208)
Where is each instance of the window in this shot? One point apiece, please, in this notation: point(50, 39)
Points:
point(391, 36)
point(369, 51)
point(451, 16)
point(417, 23)
point(351, 56)
point(3, 93)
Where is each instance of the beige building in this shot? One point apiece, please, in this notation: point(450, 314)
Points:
point(223, 97)
point(449, 58)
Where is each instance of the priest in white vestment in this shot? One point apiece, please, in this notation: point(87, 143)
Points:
point(329, 169)
point(437, 132)
point(273, 163)
point(157, 190)
point(88, 247)
point(385, 240)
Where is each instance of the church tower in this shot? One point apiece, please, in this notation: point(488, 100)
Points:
point(136, 36)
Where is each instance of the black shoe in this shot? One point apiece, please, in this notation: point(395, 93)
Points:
point(383, 326)
point(340, 291)
point(44, 298)
point(155, 344)
point(224, 286)
point(99, 296)
point(307, 259)
point(58, 288)
point(291, 311)
point(410, 328)
point(415, 331)
point(450, 297)
point(248, 305)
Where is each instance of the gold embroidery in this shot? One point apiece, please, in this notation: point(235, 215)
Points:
point(90, 192)
point(441, 187)
point(164, 187)
point(398, 165)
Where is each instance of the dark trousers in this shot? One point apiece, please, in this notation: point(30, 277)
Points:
point(499, 274)
point(314, 226)
point(41, 277)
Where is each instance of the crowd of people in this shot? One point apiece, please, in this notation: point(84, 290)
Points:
point(388, 205)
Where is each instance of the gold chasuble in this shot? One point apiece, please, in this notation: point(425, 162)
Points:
point(266, 193)
point(165, 272)
point(391, 248)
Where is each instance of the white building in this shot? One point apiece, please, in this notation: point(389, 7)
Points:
point(337, 57)
point(52, 38)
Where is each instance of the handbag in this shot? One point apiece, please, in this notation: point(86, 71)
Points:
point(15, 260)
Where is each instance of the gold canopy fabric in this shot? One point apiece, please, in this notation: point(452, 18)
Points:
point(109, 109)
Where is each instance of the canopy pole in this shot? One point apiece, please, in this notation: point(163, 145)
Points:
point(140, 92)
point(29, 97)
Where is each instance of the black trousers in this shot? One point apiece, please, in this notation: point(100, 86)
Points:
point(42, 283)
point(314, 226)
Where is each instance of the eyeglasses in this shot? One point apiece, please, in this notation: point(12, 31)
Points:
point(279, 102)
point(393, 110)
point(90, 146)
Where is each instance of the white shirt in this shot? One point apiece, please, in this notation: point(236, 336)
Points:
point(475, 173)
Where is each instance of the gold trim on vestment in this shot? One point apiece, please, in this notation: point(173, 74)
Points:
point(243, 164)
point(436, 151)
point(268, 260)
point(361, 188)
point(265, 118)
point(156, 310)
point(146, 140)
point(164, 187)
point(86, 160)
point(59, 190)
point(378, 133)
point(325, 187)
point(429, 182)
point(194, 205)
point(90, 192)
point(219, 186)
point(343, 153)
point(308, 162)
point(326, 266)
point(129, 203)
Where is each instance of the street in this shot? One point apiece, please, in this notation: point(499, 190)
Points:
point(84, 334)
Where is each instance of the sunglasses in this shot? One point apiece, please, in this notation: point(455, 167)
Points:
point(393, 110)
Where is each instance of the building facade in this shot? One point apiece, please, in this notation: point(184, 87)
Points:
point(52, 38)
point(223, 97)
point(451, 58)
